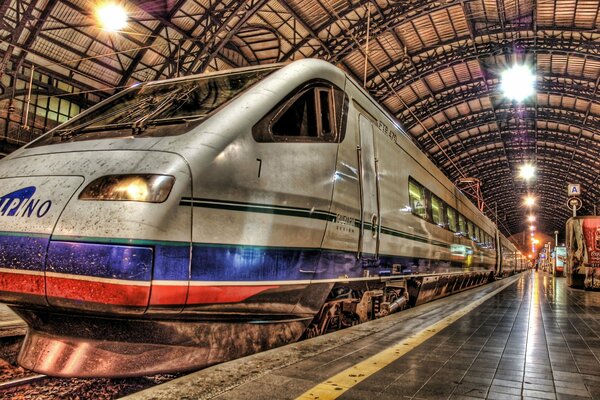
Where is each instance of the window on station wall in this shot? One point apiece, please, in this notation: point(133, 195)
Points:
point(43, 112)
point(46, 112)
point(416, 195)
point(437, 210)
point(451, 218)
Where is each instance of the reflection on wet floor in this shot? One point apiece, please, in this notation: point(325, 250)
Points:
point(536, 339)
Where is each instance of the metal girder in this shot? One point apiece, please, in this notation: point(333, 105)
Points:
point(4, 6)
point(547, 136)
point(487, 116)
point(587, 171)
point(340, 45)
point(210, 21)
point(501, 189)
point(15, 34)
point(458, 51)
point(462, 93)
point(49, 88)
point(149, 42)
point(215, 42)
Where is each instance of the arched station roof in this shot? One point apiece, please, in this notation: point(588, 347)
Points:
point(435, 65)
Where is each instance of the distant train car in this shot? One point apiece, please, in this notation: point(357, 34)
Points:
point(583, 252)
point(187, 222)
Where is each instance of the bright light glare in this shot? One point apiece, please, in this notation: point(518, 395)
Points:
point(531, 218)
point(529, 201)
point(111, 16)
point(136, 189)
point(527, 171)
point(517, 83)
point(531, 228)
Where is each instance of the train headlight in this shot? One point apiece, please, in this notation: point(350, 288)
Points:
point(147, 188)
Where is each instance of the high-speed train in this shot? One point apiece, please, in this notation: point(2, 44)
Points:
point(186, 222)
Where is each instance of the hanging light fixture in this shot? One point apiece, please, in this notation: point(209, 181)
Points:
point(517, 83)
point(111, 16)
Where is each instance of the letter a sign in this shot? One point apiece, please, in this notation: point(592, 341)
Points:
point(573, 189)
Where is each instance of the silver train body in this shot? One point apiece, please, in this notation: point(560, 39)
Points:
point(150, 235)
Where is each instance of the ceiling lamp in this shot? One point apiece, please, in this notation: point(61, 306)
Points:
point(529, 201)
point(531, 218)
point(111, 16)
point(517, 83)
point(527, 171)
point(531, 228)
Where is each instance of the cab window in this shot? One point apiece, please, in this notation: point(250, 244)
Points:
point(314, 113)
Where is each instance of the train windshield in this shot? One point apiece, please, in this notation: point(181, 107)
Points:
point(152, 110)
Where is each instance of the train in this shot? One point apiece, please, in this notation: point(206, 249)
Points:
point(582, 252)
point(186, 222)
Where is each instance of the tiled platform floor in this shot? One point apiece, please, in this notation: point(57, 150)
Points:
point(535, 339)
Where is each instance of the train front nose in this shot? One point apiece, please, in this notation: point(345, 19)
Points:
point(29, 209)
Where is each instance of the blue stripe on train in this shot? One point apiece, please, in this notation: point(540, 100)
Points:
point(163, 261)
point(23, 252)
point(101, 260)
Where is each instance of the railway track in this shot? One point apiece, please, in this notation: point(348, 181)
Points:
point(22, 381)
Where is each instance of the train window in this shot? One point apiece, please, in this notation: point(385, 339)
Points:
point(462, 224)
point(301, 117)
point(437, 210)
point(416, 195)
point(470, 231)
point(451, 218)
point(325, 112)
point(313, 113)
point(476, 233)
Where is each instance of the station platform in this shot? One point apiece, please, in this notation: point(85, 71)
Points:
point(527, 336)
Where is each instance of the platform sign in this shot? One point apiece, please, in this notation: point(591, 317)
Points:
point(573, 189)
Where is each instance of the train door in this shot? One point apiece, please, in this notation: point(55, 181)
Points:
point(368, 244)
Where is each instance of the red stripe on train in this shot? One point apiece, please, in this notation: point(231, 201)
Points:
point(98, 292)
point(223, 294)
point(126, 295)
point(163, 295)
point(22, 283)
